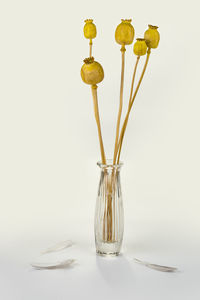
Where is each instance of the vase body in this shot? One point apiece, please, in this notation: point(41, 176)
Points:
point(109, 213)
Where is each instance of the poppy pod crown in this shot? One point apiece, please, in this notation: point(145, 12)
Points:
point(126, 20)
point(153, 26)
point(88, 21)
point(88, 60)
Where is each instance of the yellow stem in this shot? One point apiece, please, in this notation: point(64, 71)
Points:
point(120, 104)
point(90, 47)
point(133, 80)
point(131, 104)
point(96, 113)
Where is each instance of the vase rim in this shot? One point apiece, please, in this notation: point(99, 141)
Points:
point(109, 164)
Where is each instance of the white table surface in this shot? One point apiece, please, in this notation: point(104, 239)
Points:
point(95, 277)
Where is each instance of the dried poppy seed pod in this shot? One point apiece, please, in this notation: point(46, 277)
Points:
point(91, 71)
point(140, 47)
point(152, 36)
point(124, 33)
point(89, 29)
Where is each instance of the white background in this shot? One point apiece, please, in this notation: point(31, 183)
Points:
point(49, 149)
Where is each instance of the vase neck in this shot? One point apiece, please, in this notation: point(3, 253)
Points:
point(109, 165)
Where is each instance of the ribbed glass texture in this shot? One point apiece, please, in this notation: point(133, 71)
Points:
point(109, 213)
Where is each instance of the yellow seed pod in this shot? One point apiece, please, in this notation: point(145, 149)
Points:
point(89, 29)
point(152, 36)
point(140, 47)
point(124, 33)
point(91, 71)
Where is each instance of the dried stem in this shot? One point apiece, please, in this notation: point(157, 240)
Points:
point(130, 106)
point(120, 104)
point(90, 44)
point(133, 80)
point(109, 210)
point(109, 218)
point(96, 113)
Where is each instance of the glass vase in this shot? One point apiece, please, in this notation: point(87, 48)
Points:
point(109, 212)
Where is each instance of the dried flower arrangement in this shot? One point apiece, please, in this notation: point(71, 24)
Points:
point(92, 73)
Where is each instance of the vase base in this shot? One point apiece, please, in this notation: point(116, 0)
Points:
point(108, 248)
point(107, 253)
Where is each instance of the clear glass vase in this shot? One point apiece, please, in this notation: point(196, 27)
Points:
point(109, 212)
